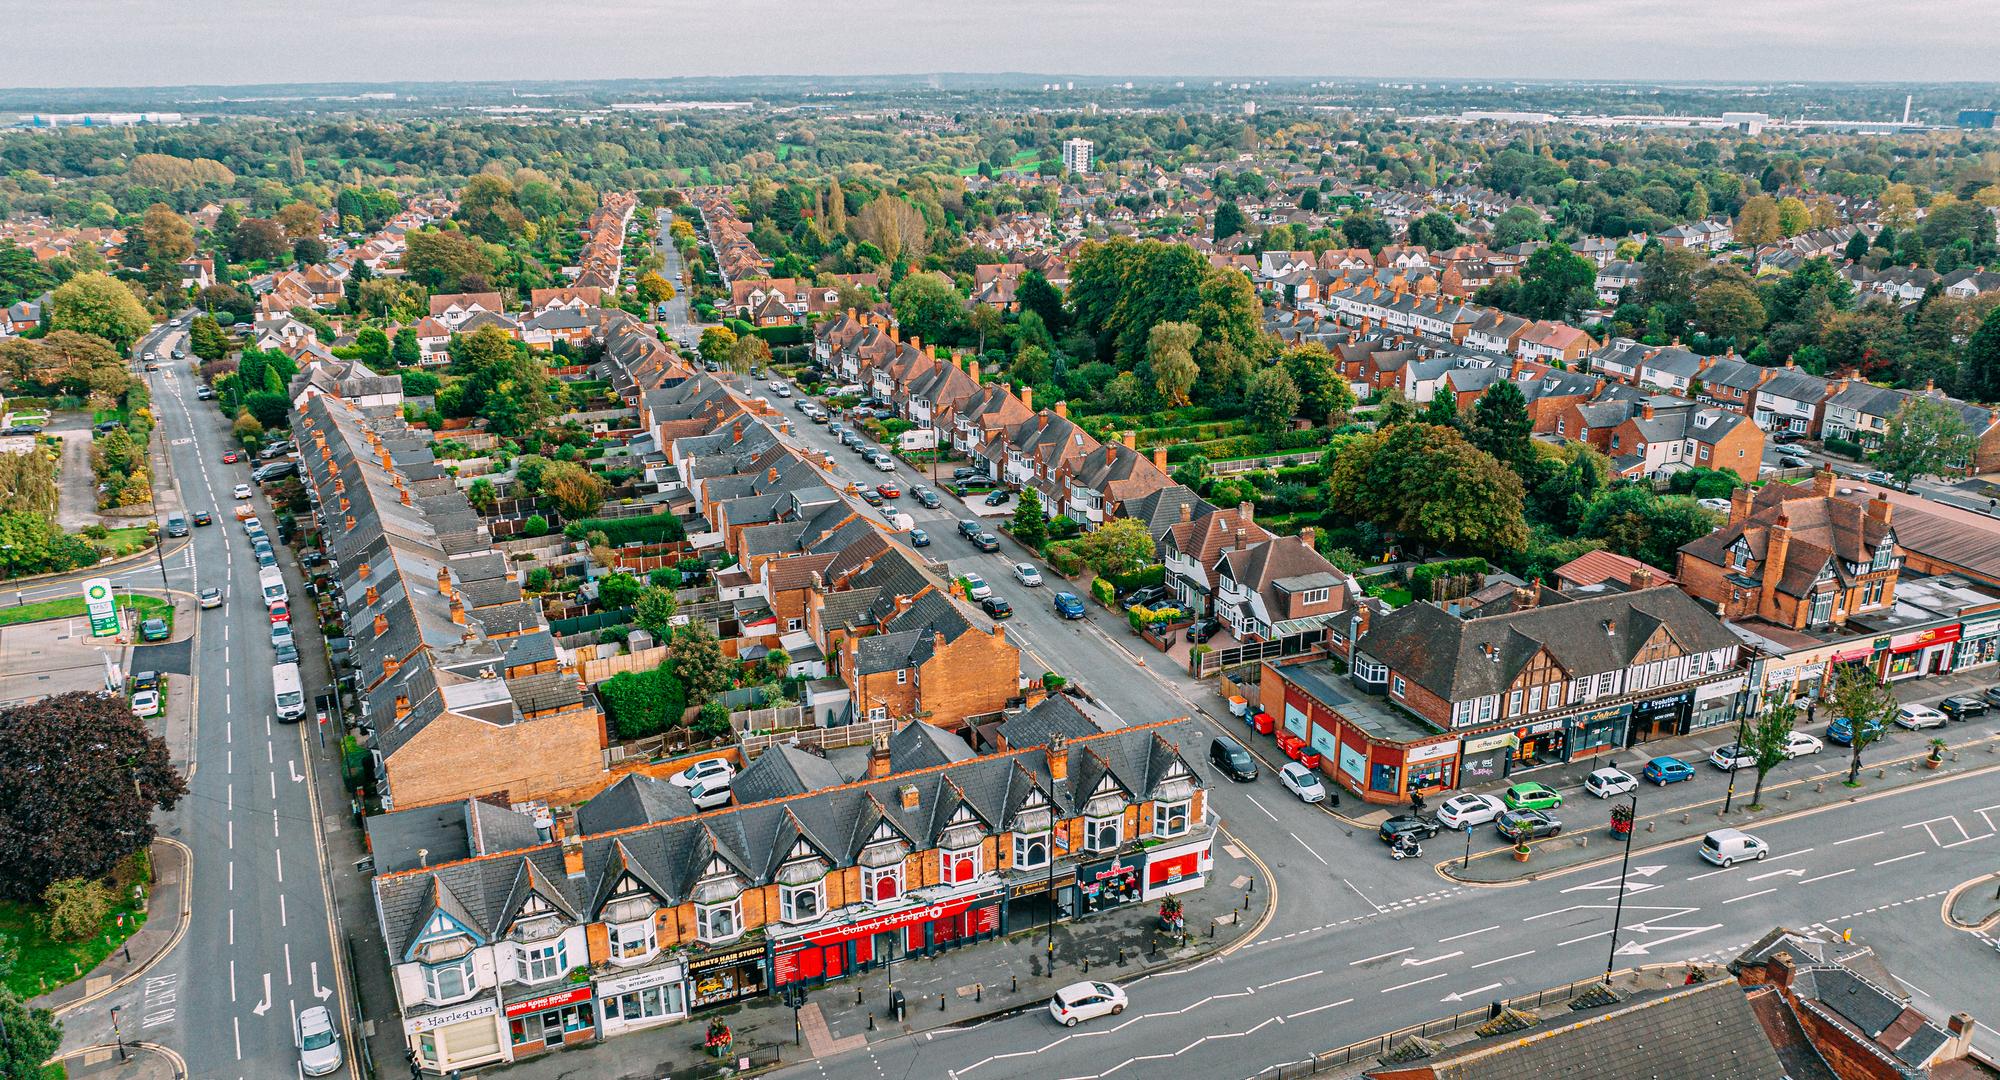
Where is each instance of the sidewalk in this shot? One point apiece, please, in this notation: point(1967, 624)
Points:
point(967, 985)
point(1975, 905)
point(143, 1061)
point(166, 918)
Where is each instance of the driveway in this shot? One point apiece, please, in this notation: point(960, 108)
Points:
point(78, 502)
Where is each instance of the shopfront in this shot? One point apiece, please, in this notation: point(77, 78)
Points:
point(547, 1021)
point(1598, 731)
point(1030, 897)
point(1431, 767)
point(643, 1000)
point(1486, 759)
point(1715, 703)
point(1111, 883)
point(1922, 652)
point(818, 954)
point(1177, 869)
point(1861, 654)
point(722, 977)
point(1661, 717)
point(460, 1037)
point(1978, 644)
point(1545, 742)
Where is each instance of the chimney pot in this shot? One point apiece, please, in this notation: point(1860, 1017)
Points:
point(381, 625)
point(1642, 578)
point(911, 796)
point(1160, 459)
point(1056, 756)
point(1028, 399)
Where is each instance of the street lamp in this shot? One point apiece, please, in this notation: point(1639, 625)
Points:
point(1742, 727)
point(1618, 915)
point(116, 1034)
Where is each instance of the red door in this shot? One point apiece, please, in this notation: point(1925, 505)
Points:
point(836, 960)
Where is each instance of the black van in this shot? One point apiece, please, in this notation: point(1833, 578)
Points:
point(1229, 755)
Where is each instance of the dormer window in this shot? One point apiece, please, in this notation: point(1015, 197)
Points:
point(540, 963)
point(1885, 555)
point(719, 922)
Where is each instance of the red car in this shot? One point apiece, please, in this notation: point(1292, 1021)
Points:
point(888, 491)
point(280, 613)
point(231, 457)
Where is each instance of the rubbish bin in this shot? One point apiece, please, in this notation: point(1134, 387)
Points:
point(896, 1005)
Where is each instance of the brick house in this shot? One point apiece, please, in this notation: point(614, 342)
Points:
point(1273, 589)
point(1191, 550)
point(1798, 556)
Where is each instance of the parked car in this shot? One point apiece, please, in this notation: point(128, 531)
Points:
point(1963, 705)
point(709, 794)
point(1793, 461)
point(1799, 744)
point(281, 636)
point(264, 474)
point(919, 538)
point(976, 587)
point(888, 491)
point(204, 393)
point(1992, 696)
point(1026, 574)
point(264, 558)
point(145, 680)
point(706, 769)
point(1230, 756)
point(177, 524)
point(211, 598)
point(146, 703)
point(1077, 1002)
point(153, 630)
point(1604, 783)
point(870, 497)
point(926, 498)
point(1464, 811)
point(1667, 770)
point(970, 528)
point(986, 541)
point(1203, 629)
point(1841, 731)
point(1529, 795)
point(1148, 597)
point(1069, 605)
point(1302, 782)
point(231, 457)
point(318, 1042)
point(997, 607)
point(1410, 825)
point(1918, 717)
point(1727, 847)
point(287, 653)
point(280, 612)
point(998, 497)
point(203, 517)
point(243, 491)
point(1876, 477)
point(884, 462)
point(1512, 823)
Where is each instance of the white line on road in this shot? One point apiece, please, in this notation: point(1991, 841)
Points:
point(228, 730)
point(1710, 873)
point(1319, 1008)
point(225, 676)
point(1788, 854)
point(229, 797)
point(1364, 897)
point(232, 875)
point(1899, 858)
point(270, 753)
point(1309, 849)
point(1749, 896)
point(232, 939)
point(1260, 806)
point(288, 963)
point(1863, 836)
point(1467, 934)
point(281, 909)
point(1823, 877)
point(1413, 962)
point(279, 853)
point(236, 1026)
point(1419, 982)
point(1295, 978)
point(232, 963)
point(1503, 959)
point(1586, 937)
point(274, 787)
point(230, 827)
point(1384, 956)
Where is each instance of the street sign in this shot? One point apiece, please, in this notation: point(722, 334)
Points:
point(103, 610)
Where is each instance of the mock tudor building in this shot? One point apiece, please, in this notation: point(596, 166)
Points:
point(1797, 556)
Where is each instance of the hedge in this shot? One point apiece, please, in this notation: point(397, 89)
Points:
point(782, 335)
point(1240, 446)
point(642, 703)
point(1844, 447)
point(1102, 592)
point(1144, 578)
point(1424, 579)
point(650, 529)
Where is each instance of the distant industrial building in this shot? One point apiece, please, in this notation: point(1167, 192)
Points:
point(61, 120)
point(1975, 118)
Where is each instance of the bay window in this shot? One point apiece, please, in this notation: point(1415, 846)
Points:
point(632, 941)
point(960, 865)
point(801, 903)
point(1170, 819)
point(885, 883)
point(540, 963)
point(1104, 833)
point(719, 922)
point(449, 981)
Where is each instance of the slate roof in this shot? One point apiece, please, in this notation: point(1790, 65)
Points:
point(784, 770)
point(1058, 715)
point(636, 799)
point(919, 746)
point(1161, 510)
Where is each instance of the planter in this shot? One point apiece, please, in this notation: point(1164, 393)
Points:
point(1520, 854)
point(1620, 832)
point(1932, 763)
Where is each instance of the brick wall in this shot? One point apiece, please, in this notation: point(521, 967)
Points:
point(456, 757)
point(970, 677)
point(1741, 452)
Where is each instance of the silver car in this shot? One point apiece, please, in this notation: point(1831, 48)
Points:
point(319, 1043)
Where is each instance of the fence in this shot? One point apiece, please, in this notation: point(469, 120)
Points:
point(832, 738)
point(1203, 664)
point(584, 624)
point(1233, 466)
point(779, 718)
point(739, 1063)
point(597, 670)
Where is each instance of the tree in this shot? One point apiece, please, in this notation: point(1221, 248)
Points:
point(1793, 216)
point(371, 347)
point(616, 590)
point(99, 304)
point(1867, 706)
point(21, 274)
point(503, 382)
point(1633, 522)
point(896, 228)
point(1757, 222)
point(1036, 294)
point(577, 491)
point(80, 777)
point(1170, 350)
point(642, 703)
point(1556, 283)
point(406, 350)
point(1031, 522)
point(31, 542)
point(984, 320)
point(1442, 409)
point(716, 342)
point(442, 260)
point(1982, 360)
point(1435, 231)
point(1324, 395)
point(749, 353)
point(1519, 225)
point(1728, 310)
point(74, 908)
point(1427, 483)
point(258, 239)
point(206, 339)
point(928, 307)
point(1857, 247)
point(1228, 221)
point(167, 240)
point(654, 289)
point(1272, 399)
point(1768, 742)
point(300, 220)
point(28, 1037)
point(699, 661)
point(308, 251)
point(482, 496)
point(1926, 437)
point(1365, 228)
point(1501, 425)
point(1117, 547)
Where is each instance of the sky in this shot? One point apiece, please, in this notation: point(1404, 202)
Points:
point(51, 43)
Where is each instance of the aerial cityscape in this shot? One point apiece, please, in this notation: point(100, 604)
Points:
point(794, 564)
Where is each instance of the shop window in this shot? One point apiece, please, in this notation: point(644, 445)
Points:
point(633, 941)
point(540, 963)
point(883, 884)
point(1031, 850)
point(651, 1003)
point(801, 903)
point(1104, 833)
point(719, 922)
point(1170, 819)
point(958, 866)
point(449, 981)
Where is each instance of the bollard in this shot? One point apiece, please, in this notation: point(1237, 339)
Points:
point(857, 995)
point(1252, 887)
point(1211, 931)
point(1246, 901)
point(1583, 841)
point(1086, 965)
point(1016, 987)
point(1786, 795)
point(1880, 773)
point(1819, 786)
point(1650, 825)
point(871, 1020)
point(1156, 946)
point(978, 992)
point(940, 1002)
point(1685, 818)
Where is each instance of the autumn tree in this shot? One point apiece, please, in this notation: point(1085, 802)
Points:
point(1119, 546)
point(1757, 222)
point(1428, 484)
point(99, 304)
point(300, 220)
point(749, 353)
point(1793, 216)
point(1170, 350)
point(167, 240)
point(894, 226)
point(1926, 437)
point(577, 491)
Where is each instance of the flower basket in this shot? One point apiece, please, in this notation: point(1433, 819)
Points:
point(1621, 821)
point(1170, 914)
point(718, 1038)
point(1936, 759)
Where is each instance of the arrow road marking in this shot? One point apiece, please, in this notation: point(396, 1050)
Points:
point(1612, 883)
point(1779, 873)
point(295, 770)
point(1463, 994)
point(1410, 962)
point(319, 991)
point(264, 1006)
point(1636, 948)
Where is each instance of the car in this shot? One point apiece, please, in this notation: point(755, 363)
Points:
point(264, 474)
point(888, 491)
point(252, 527)
point(884, 462)
point(1876, 477)
point(1782, 437)
point(177, 524)
point(151, 366)
point(1992, 696)
point(1077, 1002)
point(986, 541)
point(1232, 758)
point(1918, 717)
point(153, 630)
point(1727, 847)
point(1302, 782)
point(919, 538)
point(1963, 705)
point(274, 449)
point(970, 528)
point(203, 518)
point(870, 497)
point(281, 635)
point(286, 654)
point(319, 1042)
point(1069, 605)
point(817, 416)
point(1203, 629)
point(1512, 823)
point(211, 598)
point(709, 794)
point(1148, 597)
point(705, 769)
point(1841, 731)
point(1413, 826)
point(926, 498)
point(1667, 770)
point(146, 703)
point(997, 607)
point(1720, 506)
point(998, 497)
point(1604, 783)
point(1799, 744)
point(1730, 756)
point(180, 354)
point(108, 426)
point(1026, 574)
point(1793, 461)
point(264, 558)
point(231, 457)
point(145, 680)
point(804, 405)
point(204, 393)
point(280, 612)
point(243, 491)
point(976, 587)
point(964, 473)
point(150, 355)
point(1464, 811)
point(782, 391)
point(1529, 795)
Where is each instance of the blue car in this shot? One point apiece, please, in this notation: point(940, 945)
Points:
point(919, 538)
point(1069, 605)
point(1841, 731)
point(1666, 770)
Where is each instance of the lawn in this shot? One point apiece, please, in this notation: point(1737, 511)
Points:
point(125, 541)
point(1393, 595)
point(71, 607)
point(43, 964)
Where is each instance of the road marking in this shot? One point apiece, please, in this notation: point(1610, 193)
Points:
point(274, 821)
point(232, 963)
point(1863, 836)
point(1899, 858)
point(1308, 847)
point(1412, 962)
point(1823, 877)
point(232, 937)
point(232, 875)
point(279, 854)
point(1710, 873)
point(1788, 854)
point(1467, 934)
point(1384, 956)
point(1260, 806)
point(1463, 994)
point(1503, 959)
point(288, 963)
point(1364, 898)
point(1419, 982)
point(1779, 873)
point(1750, 896)
point(281, 909)
point(230, 828)
point(236, 1026)
point(1295, 978)
point(1319, 1008)
point(1586, 937)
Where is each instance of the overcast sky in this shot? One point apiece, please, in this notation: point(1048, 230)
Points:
point(163, 42)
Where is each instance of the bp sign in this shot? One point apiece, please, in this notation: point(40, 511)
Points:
point(103, 611)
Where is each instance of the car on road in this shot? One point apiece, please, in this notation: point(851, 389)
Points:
point(1148, 597)
point(997, 607)
point(1077, 1002)
point(1876, 477)
point(153, 630)
point(1203, 629)
point(870, 497)
point(707, 769)
point(1918, 717)
point(1727, 847)
point(1799, 744)
point(709, 794)
point(1731, 756)
point(202, 518)
point(281, 635)
point(21, 429)
point(1793, 461)
point(1962, 706)
point(146, 703)
point(1230, 756)
point(204, 393)
point(919, 538)
point(145, 680)
point(998, 497)
point(926, 498)
point(1069, 605)
point(884, 462)
point(1534, 823)
point(976, 587)
point(1529, 795)
point(1604, 783)
point(1667, 770)
point(1464, 811)
point(970, 527)
point(986, 541)
point(1720, 506)
point(211, 598)
point(319, 1043)
point(1841, 731)
point(177, 524)
point(1026, 574)
point(888, 491)
point(231, 457)
point(243, 491)
point(1411, 825)
point(1302, 782)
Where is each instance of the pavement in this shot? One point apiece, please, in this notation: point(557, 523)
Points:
point(131, 1061)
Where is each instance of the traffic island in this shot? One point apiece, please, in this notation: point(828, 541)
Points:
point(1975, 905)
point(131, 1061)
point(163, 921)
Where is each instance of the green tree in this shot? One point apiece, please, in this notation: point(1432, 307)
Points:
point(1324, 395)
point(206, 339)
point(928, 307)
point(31, 542)
point(1272, 399)
point(1229, 221)
point(643, 703)
point(1426, 483)
point(482, 496)
point(1556, 283)
point(1442, 409)
point(258, 239)
point(654, 611)
point(1868, 707)
point(1728, 310)
point(1031, 522)
point(577, 491)
point(74, 908)
point(986, 321)
point(503, 382)
point(1365, 228)
point(1435, 231)
point(1633, 522)
point(99, 304)
point(1036, 294)
point(405, 350)
point(748, 354)
point(1793, 216)
point(716, 342)
point(699, 661)
point(1170, 350)
point(445, 260)
point(1768, 743)
point(1757, 222)
point(1500, 424)
point(1926, 437)
point(28, 1037)
point(21, 275)
point(371, 347)
point(616, 590)
point(1119, 546)
point(1518, 225)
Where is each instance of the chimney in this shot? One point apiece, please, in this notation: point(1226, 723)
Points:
point(911, 796)
point(444, 582)
point(364, 570)
point(1245, 513)
point(1160, 459)
point(1642, 578)
point(1880, 508)
point(1960, 1025)
point(1028, 398)
point(1823, 482)
point(1739, 505)
point(343, 504)
point(1777, 544)
point(972, 369)
point(1056, 754)
point(1782, 968)
point(1306, 537)
point(572, 849)
point(458, 611)
point(1646, 411)
point(402, 705)
point(381, 625)
point(772, 474)
point(350, 522)
point(878, 758)
point(1187, 512)
point(1062, 409)
point(736, 433)
point(1524, 598)
point(390, 665)
point(404, 494)
point(1130, 439)
point(916, 343)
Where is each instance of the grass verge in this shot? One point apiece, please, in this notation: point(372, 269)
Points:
point(70, 607)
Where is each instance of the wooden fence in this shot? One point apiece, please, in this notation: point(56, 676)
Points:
point(1233, 466)
point(831, 738)
point(1203, 664)
point(598, 670)
point(783, 718)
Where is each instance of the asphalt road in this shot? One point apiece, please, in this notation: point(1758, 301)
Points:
point(259, 944)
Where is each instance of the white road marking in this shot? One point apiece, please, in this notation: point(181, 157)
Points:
point(1308, 847)
point(1267, 812)
point(1413, 962)
point(1467, 934)
point(232, 963)
point(232, 875)
point(274, 821)
point(1788, 854)
point(230, 830)
point(1295, 978)
point(1503, 959)
point(1710, 873)
point(281, 910)
point(1419, 982)
point(1863, 836)
point(279, 853)
point(1750, 896)
point(288, 963)
point(1823, 877)
point(232, 938)
point(1899, 858)
point(236, 1026)
point(1384, 956)
point(1318, 1008)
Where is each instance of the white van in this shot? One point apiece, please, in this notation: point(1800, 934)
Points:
point(272, 580)
point(1727, 847)
point(290, 695)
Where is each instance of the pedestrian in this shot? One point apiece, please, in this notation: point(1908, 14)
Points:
point(1809, 712)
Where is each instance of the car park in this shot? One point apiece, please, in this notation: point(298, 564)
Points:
point(1667, 770)
point(1412, 826)
point(1026, 574)
point(997, 607)
point(1963, 706)
point(146, 703)
point(919, 538)
point(1535, 824)
point(211, 598)
point(1918, 717)
point(1799, 744)
point(709, 794)
point(1077, 1002)
point(1841, 731)
point(1203, 629)
point(986, 541)
point(1069, 605)
point(1727, 847)
point(1302, 782)
point(976, 587)
point(1604, 783)
point(1464, 811)
point(203, 517)
point(1529, 795)
point(1230, 756)
point(153, 630)
point(318, 1042)
point(706, 769)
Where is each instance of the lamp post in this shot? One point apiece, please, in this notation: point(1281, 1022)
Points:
point(1742, 725)
point(116, 1034)
point(1618, 915)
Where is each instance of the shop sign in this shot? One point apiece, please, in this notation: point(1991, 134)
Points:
point(1295, 721)
point(1542, 728)
point(1599, 716)
point(1718, 688)
point(445, 1019)
point(549, 1001)
point(1029, 888)
point(1488, 742)
point(1860, 652)
point(1920, 639)
point(1434, 751)
point(1173, 868)
point(1663, 704)
point(1980, 628)
point(1353, 762)
point(882, 924)
point(669, 974)
point(730, 959)
point(97, 601)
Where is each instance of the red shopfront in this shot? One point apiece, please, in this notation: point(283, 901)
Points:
point(922, 929)
point(1921, 652)
point(1177, 869)
point(563, 1018)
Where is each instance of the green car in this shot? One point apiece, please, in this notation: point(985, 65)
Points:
point(153, 630)
point(1531, 796)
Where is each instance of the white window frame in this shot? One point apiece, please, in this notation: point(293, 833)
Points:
point(790, 906)
point(704, 913)
point(1025, 844)
point(543, 961)
point(624, 948)
point(1172, 818)
point(950, 860)
point(902, 676)
point(872, 878)
point(1093, 827)
point(468, 976)
point(1397, 685)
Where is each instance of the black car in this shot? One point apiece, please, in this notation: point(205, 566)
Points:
point(1235, 762)
point(203, 517)
point(964, 473)
point(108, 426)
point(926, 498)
point(1791, 461)
point(997, 607)
point(868, 496)
point(1963, 705)
point(1783, 437)
point(998, 497)
point(1148, 597)
point(970, 528)
point(986, 541)
point(145, 680)
point(1410, 825)
point(1202, 630)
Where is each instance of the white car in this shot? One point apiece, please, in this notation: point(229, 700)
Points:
point(1720, 506)
point(1026, 574)
point(146, 703)
point(1465, 811)
point(885, 463)
point(707, 769)
point(1082, 1001)
point(710, 793)
point(1916, 717)
point(211, 598)
point(243, 491)
point(1731, 756)
point(976, 587)
point(319, 1043)
point(1799, 744)
point(1604, 783)
point(1302, 782)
